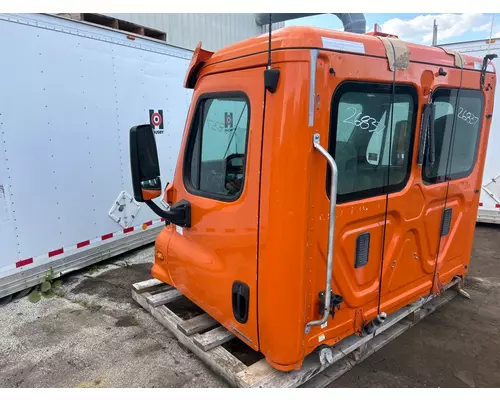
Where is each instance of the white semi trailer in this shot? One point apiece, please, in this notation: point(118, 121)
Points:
point(489, 203)
point(70, 91)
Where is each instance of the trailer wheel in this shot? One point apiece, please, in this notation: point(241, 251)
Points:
point(21, 294)
point(5, 300)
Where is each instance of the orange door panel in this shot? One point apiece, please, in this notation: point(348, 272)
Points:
point(214, 262)
point(460, 130)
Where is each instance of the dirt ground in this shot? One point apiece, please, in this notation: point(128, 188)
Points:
point(92, 334)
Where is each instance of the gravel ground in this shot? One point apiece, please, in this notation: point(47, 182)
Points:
point(92, 334)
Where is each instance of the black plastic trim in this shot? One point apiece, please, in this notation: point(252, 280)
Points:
point(240, 292)
point(446, 221)
point(271, 79)
point(362, 250)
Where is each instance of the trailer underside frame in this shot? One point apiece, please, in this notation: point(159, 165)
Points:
point(36, 275)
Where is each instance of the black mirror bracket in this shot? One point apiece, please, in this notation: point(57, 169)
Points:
point(484, 68)
point(179, 213)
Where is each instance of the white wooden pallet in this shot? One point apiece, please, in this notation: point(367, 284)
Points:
point(206, 338)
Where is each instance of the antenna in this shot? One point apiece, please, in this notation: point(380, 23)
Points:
point(434, 33)
point(491, 31)
point(269, 49)
point(271, 76)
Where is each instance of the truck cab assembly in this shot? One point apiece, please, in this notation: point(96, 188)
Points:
point(325, 181)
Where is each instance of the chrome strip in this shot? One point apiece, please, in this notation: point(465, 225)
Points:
point(312, 85)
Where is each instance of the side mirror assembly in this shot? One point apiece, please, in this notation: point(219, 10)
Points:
point(484, 68)
point(146, 180)
point(144, 164)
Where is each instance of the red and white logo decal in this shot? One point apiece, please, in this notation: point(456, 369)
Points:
point(156, 119)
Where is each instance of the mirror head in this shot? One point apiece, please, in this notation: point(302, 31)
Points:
point(144, 163)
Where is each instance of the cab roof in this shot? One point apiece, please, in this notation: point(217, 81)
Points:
point(328, 39)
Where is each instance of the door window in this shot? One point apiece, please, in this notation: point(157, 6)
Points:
point(214, 165)
point(464, 117)
point(368, 137)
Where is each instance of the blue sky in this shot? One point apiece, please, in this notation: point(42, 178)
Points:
point(417, 28)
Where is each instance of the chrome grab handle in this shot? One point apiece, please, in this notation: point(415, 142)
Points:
point(331, 229)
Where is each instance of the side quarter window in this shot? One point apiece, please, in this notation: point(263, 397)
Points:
point(214, 165)
point(461, 119)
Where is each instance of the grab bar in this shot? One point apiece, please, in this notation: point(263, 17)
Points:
point(331, 229)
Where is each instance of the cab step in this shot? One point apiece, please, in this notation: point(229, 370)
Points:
point(241, 366)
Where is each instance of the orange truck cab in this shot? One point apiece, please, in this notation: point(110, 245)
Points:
point(321, 185)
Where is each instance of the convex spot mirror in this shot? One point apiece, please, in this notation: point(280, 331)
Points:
point(144, 163)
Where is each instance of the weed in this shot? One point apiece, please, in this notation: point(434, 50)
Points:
point(48, 288)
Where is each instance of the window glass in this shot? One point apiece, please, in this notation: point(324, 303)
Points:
point(216, 154)
point(364, 141)
point(468, 112)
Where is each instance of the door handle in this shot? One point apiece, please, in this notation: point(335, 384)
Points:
point(240, 294)
point(331, 229)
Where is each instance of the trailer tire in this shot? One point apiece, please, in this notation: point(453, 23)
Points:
point(21, 294)
point(5, 300)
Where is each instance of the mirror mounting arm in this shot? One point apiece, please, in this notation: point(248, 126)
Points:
point(179, 213)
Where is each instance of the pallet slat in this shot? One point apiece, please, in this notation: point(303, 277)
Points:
point(315, 372)
point(115, 23)
point(213, 338)
point(163, 298)
point(255, 373)
point(219, 359)
point(197, 324)
point(148, 285)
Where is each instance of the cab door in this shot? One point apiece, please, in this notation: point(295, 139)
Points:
point(384, 255)
point(372, 140)
point(369, 128)
point(214, 262)
point(452, 182)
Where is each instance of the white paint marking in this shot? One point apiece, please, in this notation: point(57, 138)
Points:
point(343, 45)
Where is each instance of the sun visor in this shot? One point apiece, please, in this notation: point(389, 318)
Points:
point(397, 53)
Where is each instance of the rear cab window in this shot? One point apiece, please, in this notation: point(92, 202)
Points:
point(368, 136)
point(464, 118)
point(214, 163)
